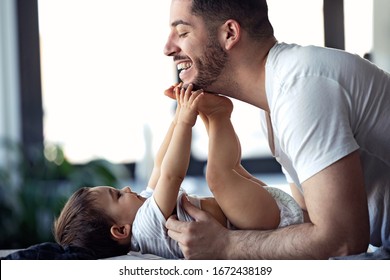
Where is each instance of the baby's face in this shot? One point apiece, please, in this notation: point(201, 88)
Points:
point(122, 204)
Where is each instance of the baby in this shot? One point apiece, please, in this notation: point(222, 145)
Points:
point(112, 222)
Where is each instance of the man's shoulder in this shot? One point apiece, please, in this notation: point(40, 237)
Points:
point(298, 54)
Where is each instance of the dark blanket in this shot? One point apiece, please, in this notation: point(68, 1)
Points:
point(51, 251)
point(382, 253)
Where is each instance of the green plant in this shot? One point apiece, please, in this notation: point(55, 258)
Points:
point(33, 191)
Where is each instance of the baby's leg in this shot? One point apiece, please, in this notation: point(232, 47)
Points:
point(244, 202)
point(238, 167)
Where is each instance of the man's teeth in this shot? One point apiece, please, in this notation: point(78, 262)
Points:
point(184, 66)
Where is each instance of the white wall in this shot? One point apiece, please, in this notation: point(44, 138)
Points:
point(381, 46)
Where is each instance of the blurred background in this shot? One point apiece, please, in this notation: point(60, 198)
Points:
point(82, 104)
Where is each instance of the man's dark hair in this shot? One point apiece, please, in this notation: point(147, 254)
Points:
point(252, 15)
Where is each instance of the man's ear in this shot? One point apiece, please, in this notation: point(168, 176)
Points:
point(120, 232)
point(231, 33)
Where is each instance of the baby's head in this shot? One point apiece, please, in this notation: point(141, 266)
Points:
point(100, 219)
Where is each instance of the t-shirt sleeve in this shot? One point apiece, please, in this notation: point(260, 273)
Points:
point(146, 193)
point(313, 123)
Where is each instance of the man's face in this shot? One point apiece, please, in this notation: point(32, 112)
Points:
point(197, 54)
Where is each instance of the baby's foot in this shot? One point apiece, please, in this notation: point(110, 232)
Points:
point(212, 104)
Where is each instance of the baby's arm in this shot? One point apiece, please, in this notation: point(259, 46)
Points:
point(167, 139)
point(175, 162)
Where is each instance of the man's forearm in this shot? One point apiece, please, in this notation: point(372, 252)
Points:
point(293, 242)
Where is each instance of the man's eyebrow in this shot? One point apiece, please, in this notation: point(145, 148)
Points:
point(179, 22)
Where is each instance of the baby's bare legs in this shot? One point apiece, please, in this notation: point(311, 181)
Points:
point(238, 167)
point(245, 203)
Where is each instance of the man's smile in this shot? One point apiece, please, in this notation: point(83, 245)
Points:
point(183, 68)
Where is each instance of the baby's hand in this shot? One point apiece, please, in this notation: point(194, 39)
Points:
point(188, 103)
point(170, 92)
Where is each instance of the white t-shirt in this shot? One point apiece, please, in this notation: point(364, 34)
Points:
point(325, 104)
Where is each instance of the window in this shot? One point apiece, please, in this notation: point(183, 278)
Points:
point(103, 76)
point(358, 18)
point(299, 21)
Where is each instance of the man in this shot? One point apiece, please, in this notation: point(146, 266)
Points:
point(328, 125)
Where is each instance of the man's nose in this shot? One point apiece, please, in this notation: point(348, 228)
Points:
point(171, 47)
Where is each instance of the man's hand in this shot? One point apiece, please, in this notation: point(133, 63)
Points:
point(204, 238)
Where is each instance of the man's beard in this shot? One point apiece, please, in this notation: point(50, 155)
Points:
point(210, 65)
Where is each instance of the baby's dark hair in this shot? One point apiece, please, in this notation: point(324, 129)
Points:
point(84, 224)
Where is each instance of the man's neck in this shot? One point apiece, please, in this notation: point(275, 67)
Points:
point(250, 75)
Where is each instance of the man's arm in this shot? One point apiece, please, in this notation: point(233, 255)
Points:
point(336, 202)
point(298, 196)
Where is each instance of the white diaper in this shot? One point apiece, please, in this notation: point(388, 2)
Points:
point(290, 212)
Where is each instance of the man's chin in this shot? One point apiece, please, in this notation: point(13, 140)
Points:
point(195, 86)
point(198, 87)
